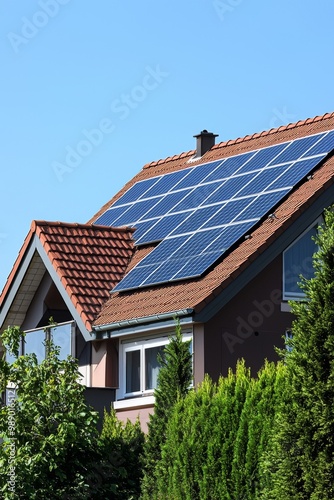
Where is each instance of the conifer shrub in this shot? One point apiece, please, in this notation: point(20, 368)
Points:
point(184, 453)
point(174, 382)
point(197, 457)
point(226, 408)
point(254, 431)
point(300, 465)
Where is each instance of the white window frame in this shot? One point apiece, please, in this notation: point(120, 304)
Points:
point(141, 344)
point(300, 295)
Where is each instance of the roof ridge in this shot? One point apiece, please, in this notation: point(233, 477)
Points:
point(170, 158)
point(247, 137)
point(41, 223)
point(271, 131)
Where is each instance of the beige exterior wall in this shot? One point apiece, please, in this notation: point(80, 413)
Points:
point(99, 361)
point(132, 414)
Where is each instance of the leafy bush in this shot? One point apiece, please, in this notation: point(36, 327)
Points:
point(49, 436)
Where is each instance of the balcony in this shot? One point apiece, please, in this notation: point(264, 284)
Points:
point(63, 336)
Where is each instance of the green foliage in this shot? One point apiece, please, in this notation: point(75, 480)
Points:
point(197, 456)
point(49, 434)
point(11, 340)
point(215, 428)
point(174, 379)
point(217, 436)
point(185, 450)
point(121, 446)
point(226, 408)
point(301, 464)
point(254, 431)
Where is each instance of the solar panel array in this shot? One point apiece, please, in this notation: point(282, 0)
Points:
point(198, 213)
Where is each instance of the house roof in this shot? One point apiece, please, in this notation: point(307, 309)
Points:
point(199, 292)
point(88, 261)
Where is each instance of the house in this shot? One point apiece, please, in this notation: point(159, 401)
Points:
point(216, 237)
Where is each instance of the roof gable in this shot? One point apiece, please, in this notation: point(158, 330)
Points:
point(85, 261)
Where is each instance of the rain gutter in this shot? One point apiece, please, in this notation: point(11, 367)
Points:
point(136, 325)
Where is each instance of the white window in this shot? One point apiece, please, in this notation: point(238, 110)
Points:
point(298, 261)
point(140, 366)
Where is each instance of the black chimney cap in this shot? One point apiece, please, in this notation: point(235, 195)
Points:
point(204, 142)
point(206, 133)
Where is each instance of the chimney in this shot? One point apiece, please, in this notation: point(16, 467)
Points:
point(204, 141)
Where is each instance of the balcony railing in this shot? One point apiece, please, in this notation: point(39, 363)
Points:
point(34, 341)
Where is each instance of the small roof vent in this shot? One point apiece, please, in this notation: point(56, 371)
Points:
point(204, 142)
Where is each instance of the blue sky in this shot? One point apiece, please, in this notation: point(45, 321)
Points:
point(91, 91)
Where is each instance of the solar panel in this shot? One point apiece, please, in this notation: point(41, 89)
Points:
point(110, 216)
point(165, 204)
point(198, 242)
point(260, 205)
point(196, 219)
point(296, 149)
point(198, 173)
point(229, 235)
point(229, 188)
point(324, 146)
point(262, 158)
point(136, 211)
point(143, 227)
point(199, 213)
point(228, 212)
point(261, 180)
point(165, 183)
point(230, 166)
point(135, 276)
point(195, 266)
point(295, 173)
point(165, 250)
point(159, 228)
point(136, 191)
point(196, 196)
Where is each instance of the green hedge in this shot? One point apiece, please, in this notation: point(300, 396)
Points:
point(216, 436)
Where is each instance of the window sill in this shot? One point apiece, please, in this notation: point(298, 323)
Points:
point(285, 307)
point(138, 402)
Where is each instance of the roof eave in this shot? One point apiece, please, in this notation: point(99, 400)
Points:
point(16, 276)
